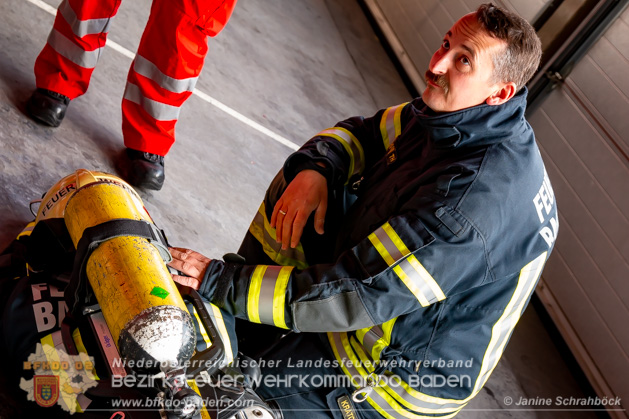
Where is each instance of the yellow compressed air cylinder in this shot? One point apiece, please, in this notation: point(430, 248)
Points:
point(141, 304)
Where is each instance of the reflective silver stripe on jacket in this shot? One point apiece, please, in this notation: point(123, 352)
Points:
point(72, 51)
point(503, 328)
point(261, 229)
point(375, 339)
point(266, 298)
point(390, 125)
point(146, 68)
point(157, 110)
point(351, 145)
point(27, 230)
point(412, 273)
point(352, 357)
point(379, 402)
point(386, 398)
point(83, 28)
point(217, 318)
point(372, 336)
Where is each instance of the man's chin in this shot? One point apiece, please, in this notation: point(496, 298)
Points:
point(429, 100)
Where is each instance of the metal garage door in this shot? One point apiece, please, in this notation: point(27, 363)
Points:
point(583, 131)
point(415, 29)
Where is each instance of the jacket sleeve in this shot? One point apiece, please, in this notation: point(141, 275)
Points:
point(400, 267)
point(351, 146)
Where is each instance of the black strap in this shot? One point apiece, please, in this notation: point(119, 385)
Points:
point(92, 237)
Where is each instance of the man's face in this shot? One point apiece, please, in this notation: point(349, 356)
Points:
point(460, 72)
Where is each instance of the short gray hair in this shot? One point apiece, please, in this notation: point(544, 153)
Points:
point(523, 53)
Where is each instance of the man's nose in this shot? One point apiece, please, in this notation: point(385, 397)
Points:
point(439, 63)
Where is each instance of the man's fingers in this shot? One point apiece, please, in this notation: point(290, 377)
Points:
point(276, 210)
point(187, 281)
point(188, 255)
point(287, 228)
point(192, 264)
point(279, 225)
point(188, 268)
point(183, 254)
point(180, 252)
point(319, 217)
point(298, 228)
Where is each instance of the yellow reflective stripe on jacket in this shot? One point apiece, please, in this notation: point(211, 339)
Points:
point(27, 230)
point(375, 339)
point(500, 335)
point(266, 299)
point(402, 392)
point(218, 320)
point(204, 335)
point(56, 352)
point(380, 398)
point(390, 125)
point(351, 145)
point(502, 329)
point(369, 335)
point(80, 346)
point(193, 385)
point(261, 229)
point(412, 273)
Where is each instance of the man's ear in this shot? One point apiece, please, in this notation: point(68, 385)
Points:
point(503, 94)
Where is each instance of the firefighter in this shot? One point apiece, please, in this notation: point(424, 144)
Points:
point(162, 75)
point(403, 246)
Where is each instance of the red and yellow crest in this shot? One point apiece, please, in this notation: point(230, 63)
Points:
point(46, 390)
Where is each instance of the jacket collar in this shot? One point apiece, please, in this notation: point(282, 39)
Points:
point(480, 125)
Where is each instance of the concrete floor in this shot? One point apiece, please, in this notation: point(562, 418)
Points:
point(294, 68)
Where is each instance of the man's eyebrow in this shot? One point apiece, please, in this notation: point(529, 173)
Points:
point(470, 50)
point(465, 47)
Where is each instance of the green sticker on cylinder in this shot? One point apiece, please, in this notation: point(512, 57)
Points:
point(160, 292)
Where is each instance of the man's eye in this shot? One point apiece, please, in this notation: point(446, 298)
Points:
point(465, 61)
point(445, 45)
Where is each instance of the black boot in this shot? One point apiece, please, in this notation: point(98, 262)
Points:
point(47, 107)
point(145, 170)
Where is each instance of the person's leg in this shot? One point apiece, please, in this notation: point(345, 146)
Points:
point(64, 67)
point(162, 77)
point(259, 247)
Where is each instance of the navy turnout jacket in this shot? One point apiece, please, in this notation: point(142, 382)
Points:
point(443, 225)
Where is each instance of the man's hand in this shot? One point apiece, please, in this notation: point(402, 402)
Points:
point(308, 192)
point(190, 263)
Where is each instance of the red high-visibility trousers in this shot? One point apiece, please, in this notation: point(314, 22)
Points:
point(162, 75)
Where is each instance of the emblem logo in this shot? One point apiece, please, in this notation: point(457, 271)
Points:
point(46, 390)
